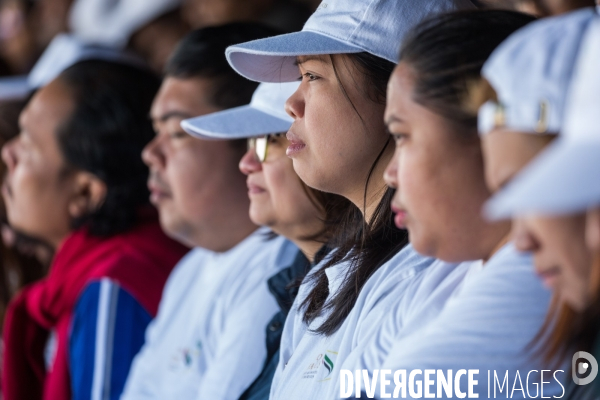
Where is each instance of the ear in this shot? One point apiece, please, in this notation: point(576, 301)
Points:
point(88, 195)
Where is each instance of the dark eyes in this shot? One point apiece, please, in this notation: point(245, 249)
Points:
point(309, 76)
point(178, 135)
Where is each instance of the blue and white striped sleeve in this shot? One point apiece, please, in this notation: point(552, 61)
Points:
point(107, 332)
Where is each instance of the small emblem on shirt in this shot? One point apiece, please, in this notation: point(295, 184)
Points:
point(185, 357)
point(322, 367)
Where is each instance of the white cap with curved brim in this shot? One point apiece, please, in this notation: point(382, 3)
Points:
point(64, 51)
point(14, 88)
point(531, 72)
point(565, 178)
point(264, 115)
point(111, 23)
point(337, 27)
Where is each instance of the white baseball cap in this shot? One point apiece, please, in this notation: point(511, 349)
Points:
point(111, 23)
point(337, 27)
point(565, 178)
point(64, 51)
point(531, 72)
point(264, 115)
point(14, 88)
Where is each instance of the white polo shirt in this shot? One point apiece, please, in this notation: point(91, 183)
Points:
point(208, 339)
point(488, 325)
point(309, 367)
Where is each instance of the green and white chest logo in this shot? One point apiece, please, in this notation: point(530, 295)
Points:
point(322, 367)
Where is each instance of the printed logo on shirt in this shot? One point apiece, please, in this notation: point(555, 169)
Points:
point(322, 367)
point(185, 358)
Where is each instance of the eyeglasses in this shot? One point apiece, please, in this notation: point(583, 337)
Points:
point(261, 144)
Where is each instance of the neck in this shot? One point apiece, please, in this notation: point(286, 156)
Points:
point(498, 245)
point(308, 247)
point(375, 189)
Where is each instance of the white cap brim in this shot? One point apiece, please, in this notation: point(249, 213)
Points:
point(564, 179)
point(274, 59)
point(235, 123)
point(14, 88)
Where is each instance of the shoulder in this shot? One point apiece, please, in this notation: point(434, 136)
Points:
point(103, 297)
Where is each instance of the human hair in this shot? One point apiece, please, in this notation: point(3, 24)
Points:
point(202, 54)
point(567, 330)
point(446, 54)
point(365, 245)
point(105, 135)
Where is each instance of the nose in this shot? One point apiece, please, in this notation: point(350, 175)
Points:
point(9, 156)
point(523, 238)
point(153, 154)
point(250, 163)
point(391, 172)
point(294, 106)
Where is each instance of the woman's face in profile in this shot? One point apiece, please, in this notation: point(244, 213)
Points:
point(277, 196)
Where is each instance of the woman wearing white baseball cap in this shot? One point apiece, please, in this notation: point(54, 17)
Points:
point(552, 196)
point(491, 320)
point(345, 55)
point(526, 111)
point(278, 199)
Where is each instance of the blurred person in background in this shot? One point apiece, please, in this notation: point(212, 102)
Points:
point(149, 28)
point(155, 41)
point(19, 264)
point(76, 182)
point(540, 8)
point(208, 340)
point(554, 199)
point(18, 43)
point(284, 15)
point(278, 200)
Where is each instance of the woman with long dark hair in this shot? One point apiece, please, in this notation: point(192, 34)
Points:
point(438, 168)
point(77, 182)
point(344, 57)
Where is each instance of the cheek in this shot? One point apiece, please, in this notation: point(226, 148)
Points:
point(34, 189)
point(285, 190)
point(188, 176)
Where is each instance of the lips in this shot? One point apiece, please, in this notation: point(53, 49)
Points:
point(296, 144)
point(400, 218)
point(549, 276)
point(157, 191)
point(253, 188)
point(6, 192)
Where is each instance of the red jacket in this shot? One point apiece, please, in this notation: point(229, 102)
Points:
point(139, 260)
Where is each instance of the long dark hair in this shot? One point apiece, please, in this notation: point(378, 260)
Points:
point(106, 134)
point(446, 54)
point(365, 245)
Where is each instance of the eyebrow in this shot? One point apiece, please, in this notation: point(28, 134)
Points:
point(304, 59)
point(172, 114)
point(394, 119)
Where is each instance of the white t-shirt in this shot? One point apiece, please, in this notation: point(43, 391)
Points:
point(488, 325)
point(309, 367)
point(208, 339)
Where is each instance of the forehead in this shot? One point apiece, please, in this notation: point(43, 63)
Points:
point(400, 91)
point(49, 107)
point(183, 98)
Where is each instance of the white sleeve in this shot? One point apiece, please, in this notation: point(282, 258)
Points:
point(236, 350)
point(489, 325)
point(142, 382)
